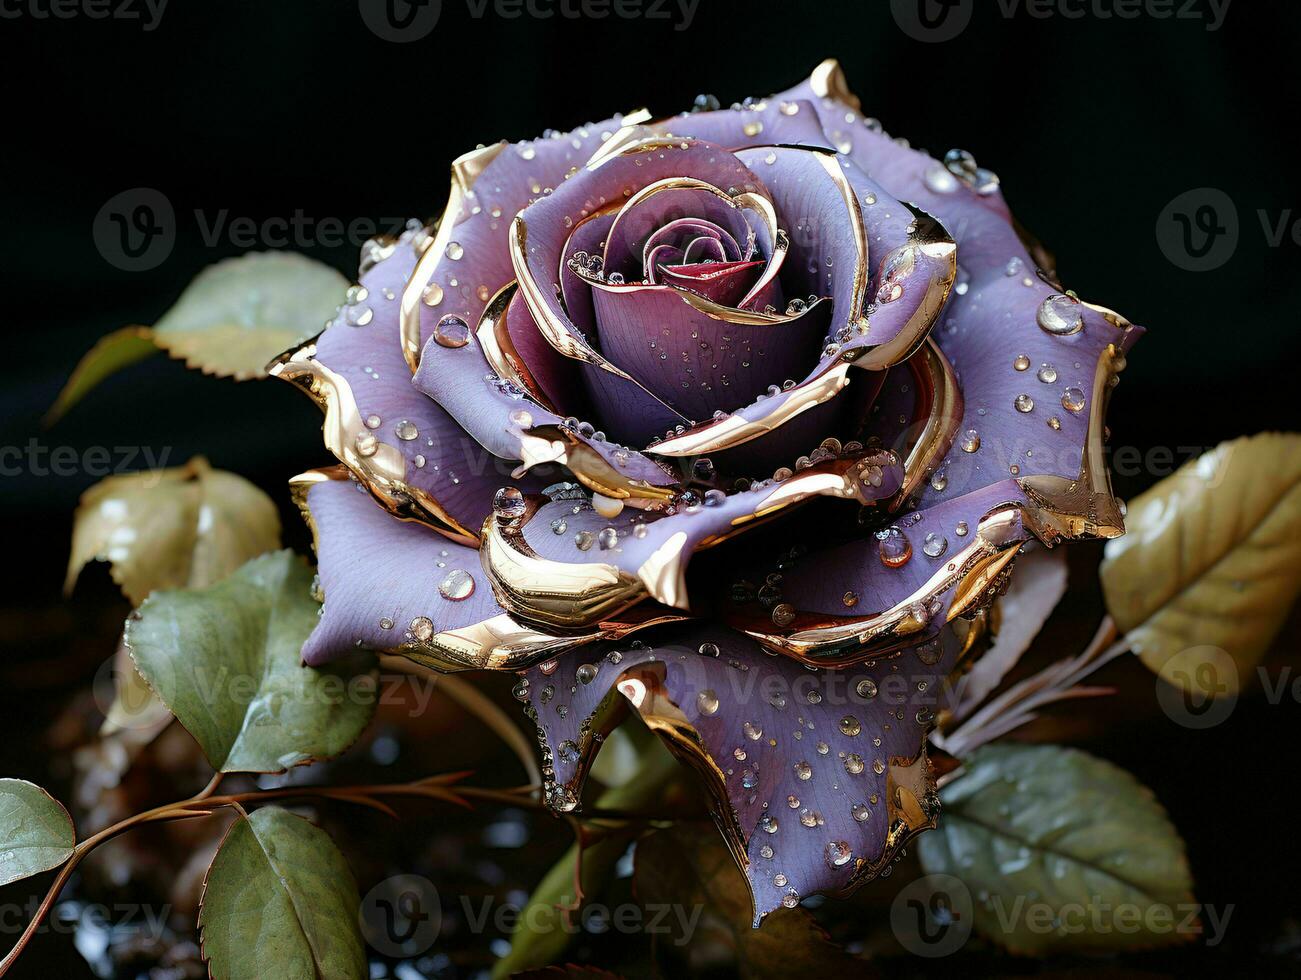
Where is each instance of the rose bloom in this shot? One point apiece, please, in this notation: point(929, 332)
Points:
point(628, 344)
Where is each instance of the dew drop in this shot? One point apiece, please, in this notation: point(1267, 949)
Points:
point(894, 547)
point(457, 585)
point(452, 331)
point(1060, 315)
point(1073, 399)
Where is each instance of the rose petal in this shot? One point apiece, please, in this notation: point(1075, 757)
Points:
point(382, 577)
point(856, 600)
point(411, 454)
point(997, 317)
point(690, 359)
point(565, 564)
point(849, 249)
point(820, 777)
point(501, 418)
point(721, 282)
point(675, 215)
point(538, 241)
point(469, 260)
point(788, 122)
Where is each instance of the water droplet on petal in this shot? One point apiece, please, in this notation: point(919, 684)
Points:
point(1073, 399)
point(457, 585)
point(894, 547)
point(1060, 315)
point(452, 331)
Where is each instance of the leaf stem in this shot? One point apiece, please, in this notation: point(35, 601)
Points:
point(438, 787)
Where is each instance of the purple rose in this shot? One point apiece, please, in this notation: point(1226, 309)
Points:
point(631, 343)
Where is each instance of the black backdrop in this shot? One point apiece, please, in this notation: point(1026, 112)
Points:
point(264, 110)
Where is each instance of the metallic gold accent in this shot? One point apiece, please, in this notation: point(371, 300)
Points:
point(466, 169)
point(831, 164)
point(930, 241)
point(1085, 506)
point(844, 642)
point(383, 472)
point(732, 430)
point(943, 419)
point(552, 444)
point(499, 349)
point(552, 593)
point(828, 82)
point(664, 572)
point(632, 129)
point(499, 643)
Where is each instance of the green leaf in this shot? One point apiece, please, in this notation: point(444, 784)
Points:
point(225, 660)
point(110, 354)
point(240, 313)
point(280, 901)
point(36, 833)
point(689, 869)
point(231, 320)
point(1041, 834)
point(1211, 560)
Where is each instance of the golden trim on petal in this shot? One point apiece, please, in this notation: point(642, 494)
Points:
point(466, 169)
point(930, 241)
point(384, 471)
point(631, 130)
point(936, 437)
point(970, 573)
point(732, 430)
point(828, 82)
point(1085, 506)
point(831, 164)
point(553, 593)
point(499, 349)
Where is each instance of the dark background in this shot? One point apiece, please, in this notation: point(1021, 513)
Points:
point(264, 109)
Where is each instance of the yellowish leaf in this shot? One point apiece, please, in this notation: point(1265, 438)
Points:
point(187, 527)
point(1211, 558)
